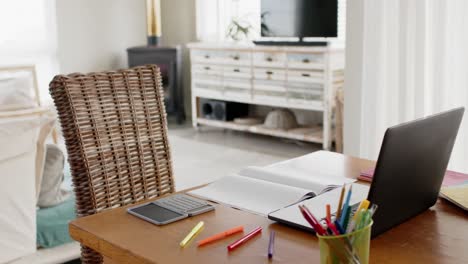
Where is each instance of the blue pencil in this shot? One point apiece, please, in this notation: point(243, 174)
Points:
point(345, 214)
point(340, 229)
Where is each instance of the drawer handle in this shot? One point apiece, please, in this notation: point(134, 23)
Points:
point(305, 60)
point(236, 57)
point(306, 75)
point(236, 70)
point(269, 72)
point(207, 68)
point(207, 56)
point(269, 59)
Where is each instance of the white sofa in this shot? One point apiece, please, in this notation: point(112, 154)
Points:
point(24, 127)
point(21, 159)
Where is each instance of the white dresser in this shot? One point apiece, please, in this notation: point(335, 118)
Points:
point(303, 78)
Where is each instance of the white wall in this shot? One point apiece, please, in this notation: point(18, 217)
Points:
point(94, 35)
point(353, 78)
point(179, 28)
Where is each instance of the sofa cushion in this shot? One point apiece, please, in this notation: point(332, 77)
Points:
point(52, 224)
point(17, 91)
point(51, 193)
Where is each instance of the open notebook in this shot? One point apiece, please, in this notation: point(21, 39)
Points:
point(262, 190)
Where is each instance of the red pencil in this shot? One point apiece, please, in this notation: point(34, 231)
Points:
point(312, 221)
point(244, 239)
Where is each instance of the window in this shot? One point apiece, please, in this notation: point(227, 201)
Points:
point(28, 37)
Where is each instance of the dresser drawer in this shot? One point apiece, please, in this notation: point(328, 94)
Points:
point(208, 86)
point(306, 76)
point(305, 92)
point(306, 60)
point(269, 97)
point(229, 83)
point(269, 74)
point(239, 89)
point(237, 58)
point(269, 59)
point(209, 83)
point(237, 72)
point(302, 97)
point(238, 94)
point(206, 69)
point(305, 86)
point(259, 85)
point(207, 56)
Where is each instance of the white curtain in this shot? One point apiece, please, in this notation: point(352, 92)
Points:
point(28, 37)
point(414, 63)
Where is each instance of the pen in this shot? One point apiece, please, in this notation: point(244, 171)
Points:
point(361, 223)
point(328, 209)
point(309, 219)
point(340, 202)
point(354, 223)
point(332, 227)
point(372, 210)
point(244, 239)
point(192, 234)
point(312, 220)
point(221, 235)
point(363, 205)
point(271, 244)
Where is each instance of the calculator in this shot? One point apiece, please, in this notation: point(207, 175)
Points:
point(170, 209)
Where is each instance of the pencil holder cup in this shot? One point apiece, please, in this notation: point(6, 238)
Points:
point(347, 248)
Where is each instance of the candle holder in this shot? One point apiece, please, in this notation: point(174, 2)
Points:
point(153, 22)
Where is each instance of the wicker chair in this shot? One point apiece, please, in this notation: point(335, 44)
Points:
point(115, 130)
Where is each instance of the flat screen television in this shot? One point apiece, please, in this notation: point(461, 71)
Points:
point(299, 18)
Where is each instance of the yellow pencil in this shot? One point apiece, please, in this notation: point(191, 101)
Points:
point(192, 234)
point(340, 203)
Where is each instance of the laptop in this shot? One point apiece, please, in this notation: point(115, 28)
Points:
point(410, 168)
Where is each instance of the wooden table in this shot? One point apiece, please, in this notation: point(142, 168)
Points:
point(439, 235)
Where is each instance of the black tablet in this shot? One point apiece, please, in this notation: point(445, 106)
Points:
point(170, 209)
point(156, 214)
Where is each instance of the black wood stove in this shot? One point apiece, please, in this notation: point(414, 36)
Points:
point(169, 61)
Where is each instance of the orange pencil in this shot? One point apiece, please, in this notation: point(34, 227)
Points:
point(328, 212)
point(220, 235)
